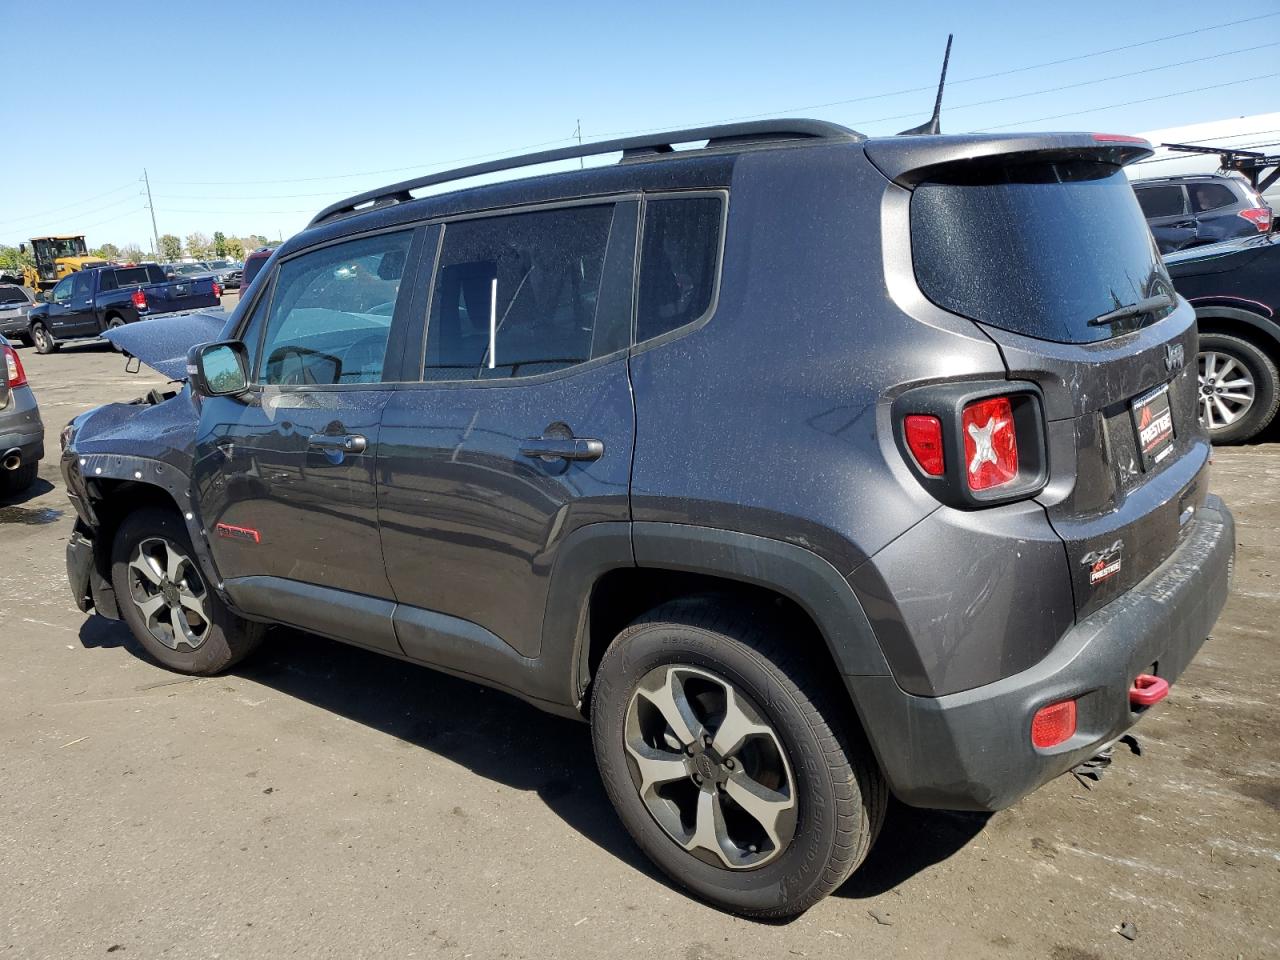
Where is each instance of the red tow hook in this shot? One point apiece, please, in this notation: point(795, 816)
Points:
point(1147, 690)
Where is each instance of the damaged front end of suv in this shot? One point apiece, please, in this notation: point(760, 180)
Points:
point(120, 457)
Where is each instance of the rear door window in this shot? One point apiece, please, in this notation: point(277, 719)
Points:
point(1166, 201)
point(678, 260)
point(522, 294)
point(330, 315)
point(1039, 249)
point(1210, 196)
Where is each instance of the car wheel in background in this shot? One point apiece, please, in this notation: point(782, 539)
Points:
point(1239, 388)
point(43, 339)
point(115, 323)
point(15, 481)
point(166, 602)
point(731, 760)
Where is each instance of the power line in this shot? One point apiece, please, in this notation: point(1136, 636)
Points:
point(1083, 83)
point(974, 79)
point(772, 113)
point(1129, 103)
point(37, 216)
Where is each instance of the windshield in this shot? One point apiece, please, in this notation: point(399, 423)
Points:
point(1036, 248)
point(68, 248)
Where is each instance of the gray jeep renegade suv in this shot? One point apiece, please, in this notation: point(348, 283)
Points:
point(806, 467)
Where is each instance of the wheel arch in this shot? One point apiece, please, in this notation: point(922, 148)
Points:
point(597, 590)
point(1217, 316)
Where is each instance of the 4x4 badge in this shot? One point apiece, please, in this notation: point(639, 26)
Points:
point(1103, 563)
point(1174, 357)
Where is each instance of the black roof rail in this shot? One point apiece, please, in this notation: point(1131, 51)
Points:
point(632, 148)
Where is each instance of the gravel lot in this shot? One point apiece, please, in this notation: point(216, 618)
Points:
point(322, 801)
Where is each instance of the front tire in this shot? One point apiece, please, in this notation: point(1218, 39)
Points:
point(731, 761)
point(164, 599)
point(1239, 388)
point(43, 339)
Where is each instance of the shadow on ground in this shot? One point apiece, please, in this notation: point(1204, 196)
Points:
point(509, 742)
point(37, 489)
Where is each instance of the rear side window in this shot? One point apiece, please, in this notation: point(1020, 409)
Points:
point(330, 318)
point(1039, 249)
point(1210, 196)
point(131, 277)
point(677, 263)
point(1161, 201)
point(521, 294)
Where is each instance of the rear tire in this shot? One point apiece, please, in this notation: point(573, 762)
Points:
point(15, 481)
point(164, 599)
point(1239, 369)
point(43, 339)
point(115, 323)
point(812, 796)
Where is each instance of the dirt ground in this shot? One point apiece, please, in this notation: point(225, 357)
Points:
point(321, 801)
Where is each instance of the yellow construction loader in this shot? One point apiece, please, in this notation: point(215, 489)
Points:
point(55, 258)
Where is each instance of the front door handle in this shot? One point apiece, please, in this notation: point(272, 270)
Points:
point(562, 448)
point(348, 443)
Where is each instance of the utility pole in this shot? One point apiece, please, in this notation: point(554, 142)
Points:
point(577, 132)
point(152, 207)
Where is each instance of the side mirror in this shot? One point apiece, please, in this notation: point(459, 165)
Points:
point(219, 369)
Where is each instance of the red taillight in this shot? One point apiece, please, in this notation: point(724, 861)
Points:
point(217, 291)
point(139, 299)
point(13, 368)
point(1053, 724)
point(924, 440)
point(1260, 217)
point(990, 443)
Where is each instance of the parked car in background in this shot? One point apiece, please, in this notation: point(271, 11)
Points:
point(228, 273)
point(1235, 289)
point(15, 305)
point(1192, 210)
point(90, 302)
point(740, 452)
point(21, 430)
point(253, 264)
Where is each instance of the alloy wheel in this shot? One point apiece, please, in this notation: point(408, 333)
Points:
point(169, 593)
point(1226, 390)
point(709, 768)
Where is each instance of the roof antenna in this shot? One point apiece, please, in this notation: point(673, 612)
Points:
point(932, 126)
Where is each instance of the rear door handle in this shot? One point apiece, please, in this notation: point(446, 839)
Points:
point(562, 448)
point(348, 443)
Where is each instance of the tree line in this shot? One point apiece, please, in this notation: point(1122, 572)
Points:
point(197, 245)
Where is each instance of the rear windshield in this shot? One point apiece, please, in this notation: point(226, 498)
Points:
point(12, 295)
point(137, 276)
point(1037, 248)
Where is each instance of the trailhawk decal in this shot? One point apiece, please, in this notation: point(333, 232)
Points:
point(1103, 564)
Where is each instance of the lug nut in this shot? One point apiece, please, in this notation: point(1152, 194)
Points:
point(729, 763)
point(697, 779)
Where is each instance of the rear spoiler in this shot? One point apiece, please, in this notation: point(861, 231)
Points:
point(908, 160)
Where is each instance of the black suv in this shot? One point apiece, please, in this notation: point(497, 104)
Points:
point(794, 461)
point(1189, 211)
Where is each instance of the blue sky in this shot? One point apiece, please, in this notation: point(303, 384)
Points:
point(250, 117)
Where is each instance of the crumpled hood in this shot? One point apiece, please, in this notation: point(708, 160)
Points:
point(162, 343)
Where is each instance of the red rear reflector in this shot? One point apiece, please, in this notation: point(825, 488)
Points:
point(1147, 690)
point(1053, 724)
point(139, 299)
point(13, 368)
point(231, 532)
point(1260, 217)
point(1120, 138)
point(924, 440)
point(990, 443)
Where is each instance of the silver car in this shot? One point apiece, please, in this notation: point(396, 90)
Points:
point(15, 303)
point(21, 430)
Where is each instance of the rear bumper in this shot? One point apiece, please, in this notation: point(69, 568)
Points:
point(21, 426)
point(972, 750)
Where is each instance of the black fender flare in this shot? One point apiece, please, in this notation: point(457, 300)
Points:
point(1218, 311)
point(143, 471)
point(785, 568)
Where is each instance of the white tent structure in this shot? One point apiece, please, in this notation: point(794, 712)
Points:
point(1260, 132)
